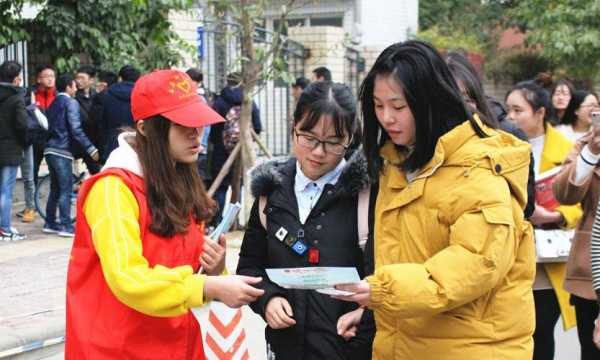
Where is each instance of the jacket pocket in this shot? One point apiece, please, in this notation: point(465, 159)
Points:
point(499, 214)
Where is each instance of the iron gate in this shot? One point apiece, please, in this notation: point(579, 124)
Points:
point(354, 68)
point(220, 54)
point(16, 52)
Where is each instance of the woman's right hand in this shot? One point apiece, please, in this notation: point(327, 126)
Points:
point(347, 324)
point(232, 290)
point(278, 313)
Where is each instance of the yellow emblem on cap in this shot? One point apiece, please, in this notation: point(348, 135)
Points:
point(182, 86)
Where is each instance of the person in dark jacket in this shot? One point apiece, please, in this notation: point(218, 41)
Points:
point(306, 200)
point(13, 127)
point(42, 95)
point(470, 86)
point(64, 126)
point(321, 74)
point(105, 80)
point(117, 109)
point(84, 77)
point(230, 96)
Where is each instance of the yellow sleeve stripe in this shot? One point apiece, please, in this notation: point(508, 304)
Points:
point(112, 213)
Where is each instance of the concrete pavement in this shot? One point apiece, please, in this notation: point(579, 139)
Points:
point(32, 296)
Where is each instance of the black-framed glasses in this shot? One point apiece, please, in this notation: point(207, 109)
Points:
point(311, 143)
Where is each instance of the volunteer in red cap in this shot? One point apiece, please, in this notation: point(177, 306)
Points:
point(133, 274)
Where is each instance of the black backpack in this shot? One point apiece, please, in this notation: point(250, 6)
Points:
point(37, 125)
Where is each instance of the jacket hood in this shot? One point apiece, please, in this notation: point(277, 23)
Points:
point(500, 152)
point(266, 177)
point(7, 90)
point(124, 157)
point(122, 90)
point(232, 95)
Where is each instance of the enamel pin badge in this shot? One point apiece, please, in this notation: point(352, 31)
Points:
point(281, 234)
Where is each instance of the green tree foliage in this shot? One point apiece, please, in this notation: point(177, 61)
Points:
point(107, 33)
point(458, 40)
point(468, 24)
point(566, 31)
point(11, 23)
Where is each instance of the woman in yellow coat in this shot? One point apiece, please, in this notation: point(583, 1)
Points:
point(454, 257)
point(528, 106)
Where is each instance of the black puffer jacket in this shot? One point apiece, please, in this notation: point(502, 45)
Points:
point(13, 125)
point(331, 228)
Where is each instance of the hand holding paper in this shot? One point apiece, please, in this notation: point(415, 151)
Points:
point(361, 292)
point(228, 219)
point(322, 279)
point(213, 256)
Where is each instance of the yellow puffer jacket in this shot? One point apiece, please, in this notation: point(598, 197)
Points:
point(454, 258)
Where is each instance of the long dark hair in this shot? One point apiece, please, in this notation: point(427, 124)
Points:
point(175, 191)
point(577, 98)
point(464, 72)
point(431, 94)
point(328, 98)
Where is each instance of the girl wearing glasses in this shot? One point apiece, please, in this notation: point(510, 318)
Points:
point(578, 119)
point(306, 215)
point(454, 257)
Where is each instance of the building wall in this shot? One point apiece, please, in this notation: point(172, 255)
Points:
point(326, 48)
point(383, 23)
point(320, 8)
point(184, 24)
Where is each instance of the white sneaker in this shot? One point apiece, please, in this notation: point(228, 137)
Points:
point(13, 235)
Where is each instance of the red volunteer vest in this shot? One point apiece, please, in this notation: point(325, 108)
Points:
point(99, 326)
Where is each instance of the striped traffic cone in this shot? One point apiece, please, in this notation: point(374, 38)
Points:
point(225, 337)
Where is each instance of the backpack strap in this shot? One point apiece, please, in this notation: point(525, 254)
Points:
point(262, 203)
point(362, 212)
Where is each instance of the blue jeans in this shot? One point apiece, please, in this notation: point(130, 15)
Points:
point(61, 187)
point(27, 174)
point(8, 177)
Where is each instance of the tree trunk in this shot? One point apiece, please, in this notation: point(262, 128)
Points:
point(249, 71)
point(235, 187)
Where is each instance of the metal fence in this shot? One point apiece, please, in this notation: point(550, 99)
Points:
point(220, 54)
point(354, 68)
point(16, 52)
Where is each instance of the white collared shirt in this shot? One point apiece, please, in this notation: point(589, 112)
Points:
point(308, 191)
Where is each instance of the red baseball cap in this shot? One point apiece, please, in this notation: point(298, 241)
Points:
point(172, 94)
